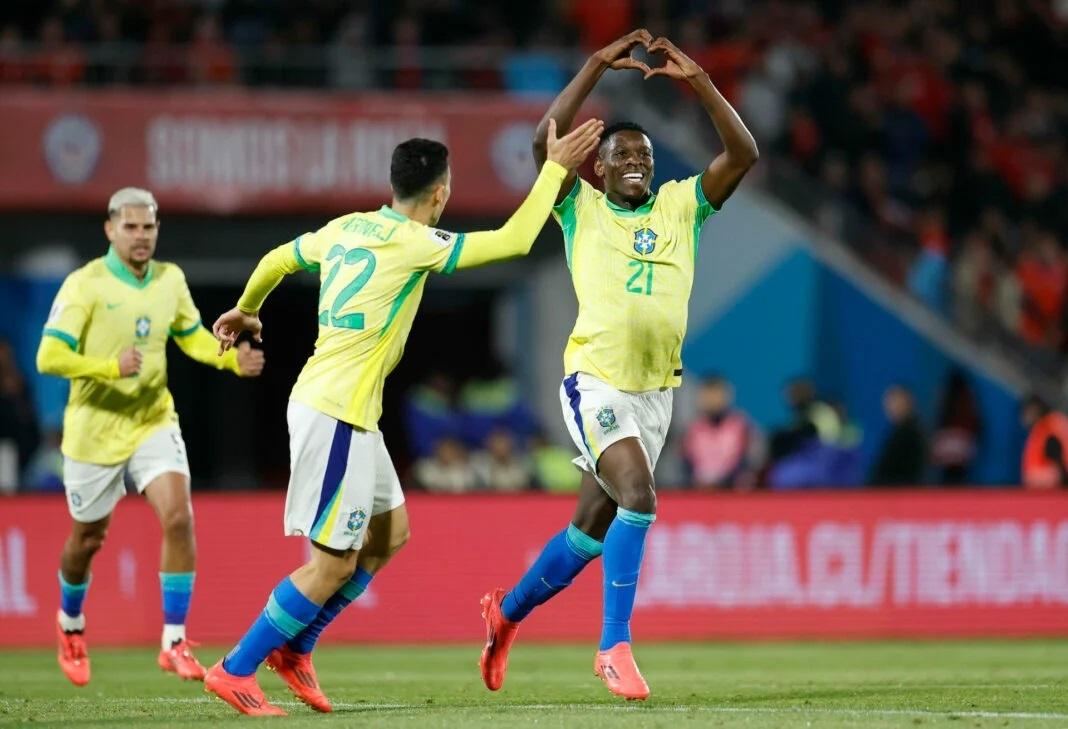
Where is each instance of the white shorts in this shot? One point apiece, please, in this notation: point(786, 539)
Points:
point(94, 490)
point(598, 415)
point(340, 476)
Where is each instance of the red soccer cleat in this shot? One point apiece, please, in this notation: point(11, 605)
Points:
point(241, 692)
point(620, 673)
point(500, 633)
point(297, 671)
point(179, 659)
point(73, 655)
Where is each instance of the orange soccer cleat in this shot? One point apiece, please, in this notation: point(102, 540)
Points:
point(620, 673)
point(73, 655)
point(297, 671)
point(500, 633)
point(179, 659)
point(241, 692)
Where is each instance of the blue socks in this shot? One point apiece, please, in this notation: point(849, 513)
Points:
point(71, 596)
point(177, 589)
point(305, 640)
point(560, 561)
point(624, 546)
point(287, 613)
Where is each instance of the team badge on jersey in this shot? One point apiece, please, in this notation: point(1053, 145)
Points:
point(356, 521)
point(606, 417)
point(143, 327)
point(644, 241)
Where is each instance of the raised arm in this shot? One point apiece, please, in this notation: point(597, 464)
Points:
point(567, 104)
point(740, 152)
point(272, 268)
point(517, 235)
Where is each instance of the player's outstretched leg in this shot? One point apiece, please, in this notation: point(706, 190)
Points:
point(168, 494)
point(293, 662)
point(560, 561)
point(387, 533)
point(233, 679)
point(84, 541)
point(625, 466)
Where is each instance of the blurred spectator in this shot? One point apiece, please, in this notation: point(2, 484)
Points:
point(44, 472)
point(1045, 456)
point(1043, 276)
point(211, 60)
point(813, 419)
point(953, 446)
point(722, 447)
point(500, 467)
point(19, 434)
point(429, 414)
point(448, 470)
point(927, 277)
point(493, 400)
point(554, 469)
point(902, 458)
point(537, 69)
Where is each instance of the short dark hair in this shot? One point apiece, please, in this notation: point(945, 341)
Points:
point(620, 126)
point(416, 165)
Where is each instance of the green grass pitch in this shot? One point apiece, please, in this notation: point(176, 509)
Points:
point(875, 684)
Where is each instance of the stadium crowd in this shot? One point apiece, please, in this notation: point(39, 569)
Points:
point(936, 128)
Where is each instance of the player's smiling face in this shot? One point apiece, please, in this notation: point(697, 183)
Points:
point(133, 232)
point(625, 161)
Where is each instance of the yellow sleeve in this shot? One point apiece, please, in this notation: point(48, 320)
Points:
point(517, 235)
point(187, 318)
point(201, 345)
point(272, 268)
point(56, 356)
point(70, 312)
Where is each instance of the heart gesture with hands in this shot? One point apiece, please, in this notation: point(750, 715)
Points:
point(617, 55)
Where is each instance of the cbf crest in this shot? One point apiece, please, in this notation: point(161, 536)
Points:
point(357, 518)
point(143, 327)
point(606, 418)
point(644, 241)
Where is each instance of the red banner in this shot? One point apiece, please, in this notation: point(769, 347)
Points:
point(807, 565)
point(255, 152)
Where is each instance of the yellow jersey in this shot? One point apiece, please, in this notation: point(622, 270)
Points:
point(632, 271)
point(372, 269)
point(100, 310)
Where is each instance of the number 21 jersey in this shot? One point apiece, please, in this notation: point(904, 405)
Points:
point(632, 271)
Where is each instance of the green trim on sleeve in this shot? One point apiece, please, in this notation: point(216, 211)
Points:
point(312, 267)
point(405, 292)
point(62, 336)
point(186, 332)
point(704, 211)
point(454, 258)
point(565, 215)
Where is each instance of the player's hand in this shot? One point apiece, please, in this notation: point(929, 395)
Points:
point(617, 53)
point(571, 150)
point(678, 64)
point(229, 326)
point(129, 362)
point(249, 361)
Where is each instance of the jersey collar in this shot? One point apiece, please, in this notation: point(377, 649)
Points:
point(392, 214)
point(642, 209)
point(119, 270)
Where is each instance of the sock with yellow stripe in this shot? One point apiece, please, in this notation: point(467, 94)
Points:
point(287, 613)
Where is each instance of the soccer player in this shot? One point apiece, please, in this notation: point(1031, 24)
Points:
point(631, 253)
point(107, 333)
point(344, 495)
